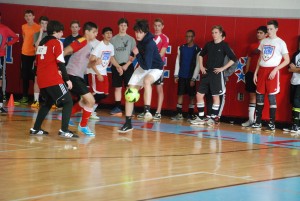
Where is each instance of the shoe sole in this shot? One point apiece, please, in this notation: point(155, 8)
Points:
point(120, 131)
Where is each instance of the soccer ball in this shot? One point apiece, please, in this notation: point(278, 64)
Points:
point(132, 95)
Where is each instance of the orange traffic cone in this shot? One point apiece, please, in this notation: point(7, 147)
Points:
point(11, 102)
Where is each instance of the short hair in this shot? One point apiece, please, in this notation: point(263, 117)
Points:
point(123, 20)
point(262, 28)
point(74, 22)
point(29, 12)
point(223, 34)
point(43, 18)
point(54, 26)
point(159, 20)
point(273, 22)
point(141, 25)
point(191, 31)
point(89, 26)
point(106, 29)
point(219, 27)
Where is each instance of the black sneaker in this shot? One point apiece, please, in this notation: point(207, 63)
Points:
point(125, 128)
point(293, 129)
point(67, 134)
point(256, 126)
point(38, 132)
point(191, 117)
point(270, 127)
point(2, 111)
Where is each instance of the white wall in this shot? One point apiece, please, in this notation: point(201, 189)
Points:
point(246, 8)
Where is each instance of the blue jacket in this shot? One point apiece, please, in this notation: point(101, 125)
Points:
point(148, 56)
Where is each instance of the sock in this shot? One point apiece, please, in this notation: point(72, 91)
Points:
point(258, 112)
point(147, 108)
point(36, 97)
point(95, 107)
point(76, 108)
point(1, 96)
point(179, 108)
point(128, 120)
point(118, 104)
point(66, 114)
point(251, 112)
point(1, 105)
point(86, 113)
point(200, 107)
point(215, 110)
point(272, 115)
point(191, 109)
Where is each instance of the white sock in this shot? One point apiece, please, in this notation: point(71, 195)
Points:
point(36, 97)
point(1, 105)
point(252, 112)
point(95, 107)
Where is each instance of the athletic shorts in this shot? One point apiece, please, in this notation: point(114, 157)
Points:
point(264, 84)
point(27, 67)
point(117, 80)
point(79, 85)
point(160, 81)
point(96, 86)
point(137, 78)
point(215, 83)
point(250, 86)
point(295, 95)
point(1, 67)
point(184, 87)
point(57, 94)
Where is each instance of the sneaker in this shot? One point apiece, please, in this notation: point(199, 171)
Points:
point(198, 121)
point(177, 117)
point(148, 116)
point(213, 121)
point(141, 115)
point(86, 130)
point(247, 123)
point(67, 134)
point(94, 116)
point(35, 104)
point(125, 128)
point(157, 116)
point(293, 129)
point(38, 132)
point(256, 126)
point(2, 111)
point(4, 98)
point(270, 127)
point(191, 117)
point(116, 111)
point(71, 123)
point(22, 101)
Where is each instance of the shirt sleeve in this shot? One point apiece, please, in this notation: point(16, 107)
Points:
point(58, 51)
point(145, 61)
point(284, 49)
point(229, 52)
point(165, 42)
point(78, 44)
point(133, 44)
point(96, 51)
point(204, 51)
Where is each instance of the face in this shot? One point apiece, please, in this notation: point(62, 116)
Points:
point(29, 17)
point(92, 34)
point(271, 30)
point(158, 27)
point(59, 34)
point(75, 28)
point(216, 34)
point(44, 25)
point(139, 35)
point(123, 27)
point(107, 35)
point(189, 37)
point(260, 34)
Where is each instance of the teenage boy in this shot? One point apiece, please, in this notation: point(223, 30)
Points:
point(147, 73)
point(76, 68)
point(186, 71)
point(253, 55)
point(213, 74)
point(50, 60)
point(75, 28)
point(28, 52)
point(123, 46)
point(266, 75)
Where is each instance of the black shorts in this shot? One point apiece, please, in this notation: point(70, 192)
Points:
point(212, 82)
point(1, 67)
point(160, 81)
point(250, 86)
point(117, 80)
point(27, 67)
point(79, 85)
point(57, 94)
point(295, 95)
point(184, 87)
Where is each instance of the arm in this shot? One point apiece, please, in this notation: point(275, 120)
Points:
point(146, 61)
point(247, 65)
point(116, 64)
point(176, 71)
point(293, 68)
point(14, 37)
point(163, 51)
point(38, 37)
point(286, 61)
point(93, 64)
point(202, 68)
point(257, 68)
point(197, 68)
point(68, 50)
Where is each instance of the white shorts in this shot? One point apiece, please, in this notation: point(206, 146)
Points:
point(137, 78)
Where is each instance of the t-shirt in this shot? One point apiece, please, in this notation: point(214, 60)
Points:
point(5, 33)
point(123, 46)
point(47, 58)
point(79, 60)
point(28, 32)
point(36, 36)
point(254, 53)
point(67, 42)
point(272, 51)
point(295, 80)
point(162, 41)
point(104, 52)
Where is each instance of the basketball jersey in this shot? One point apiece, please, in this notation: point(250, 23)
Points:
point(162, 41)
point(295, 80)
point(254, 53)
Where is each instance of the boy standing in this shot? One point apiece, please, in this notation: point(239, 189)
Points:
point(75, 28)
point(147, 73)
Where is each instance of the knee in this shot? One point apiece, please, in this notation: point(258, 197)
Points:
point(272, 100)
point(260, 99)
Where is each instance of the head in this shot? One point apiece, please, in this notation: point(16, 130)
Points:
point(223, 35)
point(43, 20)
point(75, 27)
point(29, 16)
point(189, 36)
point(158, 26)
point(141, 28)
point(90, 30)
point(272, 27)
point(55, 28)
point(261, 32)
point(107, 33)
point(123, 25)
point(217, 32)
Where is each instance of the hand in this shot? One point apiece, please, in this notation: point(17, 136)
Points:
point(98, 61)
point(59, 72)
point(273, 74)
point(135, 50)
point(292, 68)
point(124, 67)
point(100, 77)
point(176, 80)
point(41, 30)
point(120, 71)
point(218, 70)
point(70, 85)
point(131, 58)
point(192, 83)
point(255, 78)
point(203, 70)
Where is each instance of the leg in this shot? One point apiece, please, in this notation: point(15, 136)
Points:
point(260, 99)
point(1, 77)
point(36, 90)
point(160, 93)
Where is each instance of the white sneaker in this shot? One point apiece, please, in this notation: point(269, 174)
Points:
point(94, 116)
point(198, 121)
point(247, 123)
point(148, 116)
